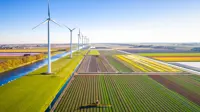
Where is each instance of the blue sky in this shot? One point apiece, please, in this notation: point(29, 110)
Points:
point(102, 20)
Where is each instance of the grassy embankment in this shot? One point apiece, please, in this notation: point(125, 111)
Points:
point(34, 92)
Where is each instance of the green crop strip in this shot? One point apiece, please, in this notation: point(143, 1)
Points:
point(125, 93)
point(94, 52)
point(118, 65)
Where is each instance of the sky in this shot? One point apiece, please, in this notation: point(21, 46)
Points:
point(103, 21)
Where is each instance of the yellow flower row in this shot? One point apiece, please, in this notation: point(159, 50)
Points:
point(142, 64)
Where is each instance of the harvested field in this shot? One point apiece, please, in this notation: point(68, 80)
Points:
point(124, 94)
point(186, 86)
point(95, 64)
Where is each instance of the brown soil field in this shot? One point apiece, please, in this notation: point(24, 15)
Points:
point(95, 64)
point(177, 88)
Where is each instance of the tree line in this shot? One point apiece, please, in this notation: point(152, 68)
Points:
point(12, 63)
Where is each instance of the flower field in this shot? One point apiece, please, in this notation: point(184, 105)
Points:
point(178, 58)
point(142, 64)
point(174, 57)
point(125, 93)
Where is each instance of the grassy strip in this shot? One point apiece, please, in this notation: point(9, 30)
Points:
point(119, 66)
point(34, 92)
point(169, 54)
point(94, 52)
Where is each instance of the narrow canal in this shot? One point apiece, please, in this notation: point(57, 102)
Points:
point(14, 74)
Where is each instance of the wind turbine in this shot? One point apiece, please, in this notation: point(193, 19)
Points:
point(79, 37)
point(71, 30)
point(48, 29)
point(82, 40)
point(85, 38)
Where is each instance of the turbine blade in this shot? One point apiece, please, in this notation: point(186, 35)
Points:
point(40, 24)
point(55, 22)
point(73, 29)
point(67, 27)
point(49, 14)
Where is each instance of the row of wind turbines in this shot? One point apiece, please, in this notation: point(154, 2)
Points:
point(80, 36)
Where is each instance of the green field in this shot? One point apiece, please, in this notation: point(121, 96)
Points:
point(118, 65)
point(94, 52)
point(189, 82)
point(169, 54)
point(34, 92)
point(125, 93)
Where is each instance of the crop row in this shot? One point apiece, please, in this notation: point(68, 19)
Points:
point(126, 93)
point(142, 64)
point(95, 64)
point(186, 85)
point(190, 82)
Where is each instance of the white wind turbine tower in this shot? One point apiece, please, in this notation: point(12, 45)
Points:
point(82, 40)
point(71, 30)
point(48, 29)
point(85, 42)
point(79, 37)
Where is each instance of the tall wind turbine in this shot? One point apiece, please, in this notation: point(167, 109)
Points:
point(48, 29)
point(82, 40)
point(71, 30)
point(85, 38)
point(79, 37)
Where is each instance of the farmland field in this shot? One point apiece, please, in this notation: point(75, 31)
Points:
point(169, 54)
point(33, 50)
point(186, 85)
point(177, 58)
point(110, 56)
point(155, 50)
point(141, 64)
point(94, 52)
point(174, 57)
point(95, 64)
point(128, 93)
